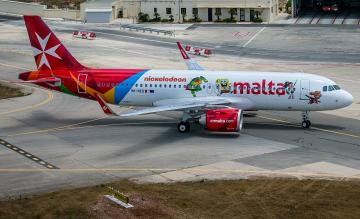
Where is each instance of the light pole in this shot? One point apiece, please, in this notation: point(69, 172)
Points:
point(179, 21)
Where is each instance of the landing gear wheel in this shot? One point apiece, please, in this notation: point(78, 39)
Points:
point(306, 124)
point(183, 127)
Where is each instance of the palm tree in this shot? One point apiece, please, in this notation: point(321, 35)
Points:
point(218, 14)
point(183, 14)
point(232, 12)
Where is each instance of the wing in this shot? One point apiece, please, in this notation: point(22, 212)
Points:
point(191, 64)
point(169, 105)
point(180, 104)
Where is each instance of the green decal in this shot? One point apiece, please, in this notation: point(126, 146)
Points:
point(195, 85)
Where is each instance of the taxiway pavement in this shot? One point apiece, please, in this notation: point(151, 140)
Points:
point(87, 147)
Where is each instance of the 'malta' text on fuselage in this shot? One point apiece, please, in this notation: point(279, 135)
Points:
point(259, 88)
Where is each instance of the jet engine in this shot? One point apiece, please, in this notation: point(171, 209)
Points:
point(223, 120)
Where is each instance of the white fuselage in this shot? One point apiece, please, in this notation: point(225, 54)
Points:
point(248, 90)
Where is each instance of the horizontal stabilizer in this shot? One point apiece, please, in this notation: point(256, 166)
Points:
point(40, 80)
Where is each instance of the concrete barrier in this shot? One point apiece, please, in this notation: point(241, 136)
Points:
point(60, 13)
point(21, 8)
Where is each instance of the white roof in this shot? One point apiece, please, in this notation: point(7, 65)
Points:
point(98, 10)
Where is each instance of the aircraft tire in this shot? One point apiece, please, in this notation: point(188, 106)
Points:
point(183, 127)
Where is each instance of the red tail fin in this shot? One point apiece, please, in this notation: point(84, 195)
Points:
point(49, 52)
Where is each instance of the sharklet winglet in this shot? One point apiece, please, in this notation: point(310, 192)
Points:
point(107, 110)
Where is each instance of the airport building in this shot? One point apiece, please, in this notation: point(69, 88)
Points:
point(206, 10)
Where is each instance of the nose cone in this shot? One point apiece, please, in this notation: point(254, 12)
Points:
point(347, 99)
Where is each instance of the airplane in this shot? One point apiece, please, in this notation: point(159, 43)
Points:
point(216, 99)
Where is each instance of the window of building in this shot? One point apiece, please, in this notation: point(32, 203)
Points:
point(195, 11)
point(218, 11)
point(168, 10)
point(155, 10)
point(183, 11)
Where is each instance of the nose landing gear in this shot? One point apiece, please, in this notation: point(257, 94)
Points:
point(306, 122)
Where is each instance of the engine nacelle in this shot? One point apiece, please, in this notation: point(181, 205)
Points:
point(223, 120)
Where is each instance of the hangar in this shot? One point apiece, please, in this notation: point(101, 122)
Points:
point(326, 11)
point(98, 15)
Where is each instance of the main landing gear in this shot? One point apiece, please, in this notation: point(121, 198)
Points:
point(306, 122)
point(183, 127)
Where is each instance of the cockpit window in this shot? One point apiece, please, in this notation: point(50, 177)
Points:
point(337, 87)
point(331, 88)
point(325, 88)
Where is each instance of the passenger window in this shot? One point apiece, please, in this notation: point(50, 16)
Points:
point(145, 85)
point(169, 85)
point(159, 85)
point(331, 88)
point(155, 85)
point(203, 86)
point(150, 85)
point(337, 87)
point(140, 85)
point(136, 85)
point(325, 88)
point(164, 85)
point(174, 85)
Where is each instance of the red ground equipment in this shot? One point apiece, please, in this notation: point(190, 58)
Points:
point(84, 35)
point(198, 51)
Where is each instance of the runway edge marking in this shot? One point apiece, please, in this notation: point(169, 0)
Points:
point(28, 155)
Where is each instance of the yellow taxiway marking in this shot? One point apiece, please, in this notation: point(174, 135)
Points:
point(313, 128)
point(28, 53)
point(14, 66)
point(56, 128)
point(190, 171)
point(50, 97)
point(75, 127)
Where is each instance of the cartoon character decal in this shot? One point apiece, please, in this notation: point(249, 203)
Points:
point(314, 97)
point(223, 86)
point(290, 88)
point(195, 85)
